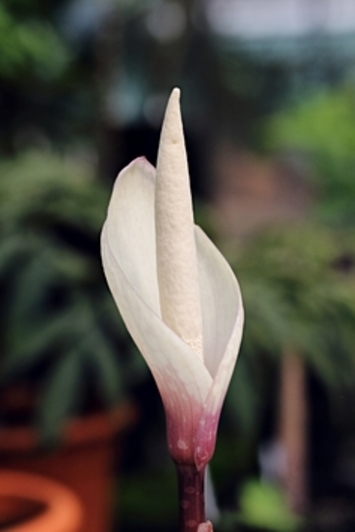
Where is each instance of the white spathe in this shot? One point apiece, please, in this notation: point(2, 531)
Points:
point(176, 293)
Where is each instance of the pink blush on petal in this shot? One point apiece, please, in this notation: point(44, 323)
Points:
point(183, 413)
point(206, 438)
point(191, 430)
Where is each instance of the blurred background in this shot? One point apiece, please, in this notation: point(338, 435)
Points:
point(269, 110)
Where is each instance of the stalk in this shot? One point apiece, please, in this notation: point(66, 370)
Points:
point(191, 484)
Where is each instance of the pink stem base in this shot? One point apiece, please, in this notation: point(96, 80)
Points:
point(192, 499)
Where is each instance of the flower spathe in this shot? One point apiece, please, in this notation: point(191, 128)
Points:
point(192, 360)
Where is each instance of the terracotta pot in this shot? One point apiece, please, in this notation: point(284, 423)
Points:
point(83, 462)
point(30, 503)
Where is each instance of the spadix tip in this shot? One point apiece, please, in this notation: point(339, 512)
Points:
point(175, 93)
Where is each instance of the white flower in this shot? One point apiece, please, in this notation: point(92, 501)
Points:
point(176, 293)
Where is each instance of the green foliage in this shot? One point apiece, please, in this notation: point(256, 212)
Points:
point(323, 129)
point(59, 325)
point(30, 47)
point(39, 187)
point(263, 506)
point(63, 387)
point(298, 286)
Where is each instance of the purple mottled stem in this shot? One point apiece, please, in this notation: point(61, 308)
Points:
point(191, 497)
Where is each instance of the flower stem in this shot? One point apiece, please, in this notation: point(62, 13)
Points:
point(191, 497)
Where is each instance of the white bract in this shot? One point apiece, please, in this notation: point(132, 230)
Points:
point(176, 293)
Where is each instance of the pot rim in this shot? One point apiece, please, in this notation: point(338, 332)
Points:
point(63, 511)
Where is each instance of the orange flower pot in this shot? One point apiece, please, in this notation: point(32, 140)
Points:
point(30, 503)
point(83, 462)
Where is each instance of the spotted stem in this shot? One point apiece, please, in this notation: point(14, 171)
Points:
point(192, 499)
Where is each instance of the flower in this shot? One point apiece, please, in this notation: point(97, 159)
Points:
point(176, 293)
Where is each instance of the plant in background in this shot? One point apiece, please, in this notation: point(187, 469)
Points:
point(59, 328)
point(299, 293)
point(21, 42)
point(179, 300)
point(262, 508)
point(322, 129)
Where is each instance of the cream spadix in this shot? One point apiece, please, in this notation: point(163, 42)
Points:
point(177, 268)
point(176, 293)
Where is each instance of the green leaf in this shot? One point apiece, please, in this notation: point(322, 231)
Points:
point(264, 506)
point(60, 397)
point(105, 367)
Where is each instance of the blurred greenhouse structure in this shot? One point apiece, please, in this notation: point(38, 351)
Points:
point(268, 98)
